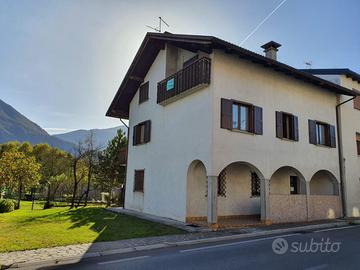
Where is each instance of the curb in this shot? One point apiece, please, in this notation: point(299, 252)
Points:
point(77, 258)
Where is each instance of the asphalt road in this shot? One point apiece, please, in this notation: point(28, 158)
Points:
point(336, 248)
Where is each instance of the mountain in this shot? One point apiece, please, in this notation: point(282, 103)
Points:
point(101, 137)
point(16, 127)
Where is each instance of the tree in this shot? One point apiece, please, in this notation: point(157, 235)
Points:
point(110, 171)
point(78, 170)
point(18, 171)
point(54, 162)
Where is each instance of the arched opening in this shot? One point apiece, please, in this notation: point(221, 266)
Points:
point(196, 209)
point(324, 196)
point(239, 192)
point(287, 181)
point(287, 199)
point(324, 183)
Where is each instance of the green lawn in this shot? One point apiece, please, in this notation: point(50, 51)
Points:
point(26, 229)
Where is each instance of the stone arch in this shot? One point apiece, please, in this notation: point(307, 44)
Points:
point(196, 190)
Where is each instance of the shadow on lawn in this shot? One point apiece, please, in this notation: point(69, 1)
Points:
point(111, 227)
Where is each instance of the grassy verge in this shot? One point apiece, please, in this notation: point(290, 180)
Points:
point(26, 229)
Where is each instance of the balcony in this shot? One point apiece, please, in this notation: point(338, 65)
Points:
point(187, 80)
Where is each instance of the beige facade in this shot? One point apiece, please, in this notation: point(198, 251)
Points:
point(188, 149)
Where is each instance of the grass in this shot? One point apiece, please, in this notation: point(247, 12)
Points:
point(31, 229)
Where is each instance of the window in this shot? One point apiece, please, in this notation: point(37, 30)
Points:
point(255, 185)
point(222, 184)
point(142, 133)
point(294, 183)
point(144, 92)
point(139, 181)
point(357, 103)
point(358, 143)
point(322, 134)
point(241, 116)
point(287, 126)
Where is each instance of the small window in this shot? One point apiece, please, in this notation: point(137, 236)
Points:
point(288, 126)
point(321, 133)
point(294, 185)
point(142, 133)
point(139, 181)
point(358, 143)
point(241, 117)
point(255, 185)
point(222, 184)
point(144, 92)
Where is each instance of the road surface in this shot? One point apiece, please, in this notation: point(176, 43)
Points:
point(336, 248)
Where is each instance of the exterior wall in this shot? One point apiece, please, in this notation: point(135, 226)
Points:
point(288, 208)
point(324, 207)
point(179, 135)
point(241, 80)
point(350, 125)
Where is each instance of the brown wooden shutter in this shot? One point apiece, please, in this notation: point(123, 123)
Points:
point(144, 92)
point(147, 131)
point(358, 143)
point(279, 124)
point(139, 180)
point(312, 132)
point(226, 113)
point(332, 134)
point(295, 128)
point(357, 103)
point(135, 142)
point(258, 120)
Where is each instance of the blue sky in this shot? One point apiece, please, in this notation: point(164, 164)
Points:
point(62, 61)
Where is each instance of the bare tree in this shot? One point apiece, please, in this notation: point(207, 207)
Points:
point(77, 170)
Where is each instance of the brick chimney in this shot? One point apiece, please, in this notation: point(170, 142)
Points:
point(271, 49)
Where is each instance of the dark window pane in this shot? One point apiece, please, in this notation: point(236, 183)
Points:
point(294, 185)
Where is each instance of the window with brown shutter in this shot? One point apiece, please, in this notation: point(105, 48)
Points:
point(144, 92)
point(142, 133)
point(139, 181)
point(357, 103)
point(322, 134)
point(241, 116)
point(287, 126)
point(358, 143)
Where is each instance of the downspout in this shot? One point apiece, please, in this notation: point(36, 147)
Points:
point(341, 155)
point(127, 154)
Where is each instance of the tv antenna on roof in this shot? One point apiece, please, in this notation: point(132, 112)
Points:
point(161, 20)
point(308, 64)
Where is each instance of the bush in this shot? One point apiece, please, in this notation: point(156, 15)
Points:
point(6, 206)
point(48, 205)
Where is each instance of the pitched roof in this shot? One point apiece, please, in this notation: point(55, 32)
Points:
point(334, 71)
point(154, 42)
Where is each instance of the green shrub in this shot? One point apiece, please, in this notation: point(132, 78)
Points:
point(6, 206)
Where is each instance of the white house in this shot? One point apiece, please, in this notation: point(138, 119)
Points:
point(217, 132)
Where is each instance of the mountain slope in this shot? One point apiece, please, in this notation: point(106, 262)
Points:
point(16, 127)
point(101, 137)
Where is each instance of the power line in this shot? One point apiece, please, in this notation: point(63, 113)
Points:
point(262, 22)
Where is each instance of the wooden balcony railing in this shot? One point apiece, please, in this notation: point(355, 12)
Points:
point(189, 78)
